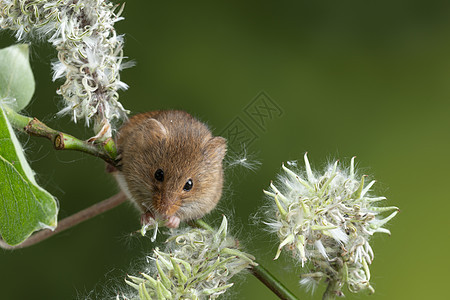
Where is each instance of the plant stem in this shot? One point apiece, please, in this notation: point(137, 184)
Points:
point(272, 282)
point(261, 273)
point(333, 290)
point(71, 221)
point(105, 150)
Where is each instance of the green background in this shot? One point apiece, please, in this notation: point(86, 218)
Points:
point(364, 78)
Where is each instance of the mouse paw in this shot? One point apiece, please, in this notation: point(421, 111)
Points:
point(147, 217)
point(173, 222)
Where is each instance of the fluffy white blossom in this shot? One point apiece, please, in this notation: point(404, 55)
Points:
point(327, 219)
point(197, 264)
point(89, 52)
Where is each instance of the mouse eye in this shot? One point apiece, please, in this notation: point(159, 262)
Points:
point(188, 186)
point(159, 175)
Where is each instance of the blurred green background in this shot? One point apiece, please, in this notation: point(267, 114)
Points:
point(363, 78)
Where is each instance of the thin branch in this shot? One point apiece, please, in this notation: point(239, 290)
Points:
point(261, 273)
point(276, 286)
point(71, 221)
point(105, 150)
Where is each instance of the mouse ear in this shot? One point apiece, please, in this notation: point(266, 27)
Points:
point(141, 125)
point(216, 148)
point(154, 128)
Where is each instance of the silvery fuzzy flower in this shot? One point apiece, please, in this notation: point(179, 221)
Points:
point(89, 51)
point(327, 219)
point(197, 264)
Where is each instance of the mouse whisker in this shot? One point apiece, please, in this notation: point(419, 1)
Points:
point(148, 204)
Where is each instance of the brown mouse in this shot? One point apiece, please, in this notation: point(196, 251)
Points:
point(170, 166)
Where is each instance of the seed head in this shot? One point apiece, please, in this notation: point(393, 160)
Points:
point(197, 264)
point(327, 219)
point(89, 52)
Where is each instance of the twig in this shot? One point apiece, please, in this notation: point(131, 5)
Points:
point(71, 221)
point(272, 282)
point(261, 273)
point(105, 150)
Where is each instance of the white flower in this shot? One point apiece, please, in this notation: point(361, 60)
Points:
point(327, 219)
point(89, 51)
point(197, 264)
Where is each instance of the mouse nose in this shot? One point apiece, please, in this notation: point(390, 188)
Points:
point(171, 210)
point(169, 206)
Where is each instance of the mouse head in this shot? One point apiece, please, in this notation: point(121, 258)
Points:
point(176, 167)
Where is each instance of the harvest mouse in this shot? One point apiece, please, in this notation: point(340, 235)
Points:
point(170, 166)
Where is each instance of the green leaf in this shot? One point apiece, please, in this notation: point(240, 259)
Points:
point(16, 77)
point(24, 206)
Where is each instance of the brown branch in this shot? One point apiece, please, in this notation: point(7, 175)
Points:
point(71, 221)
